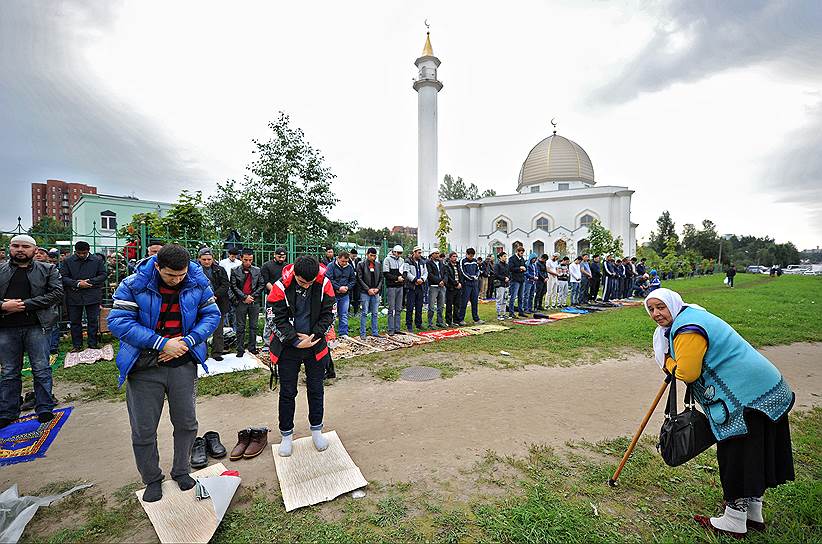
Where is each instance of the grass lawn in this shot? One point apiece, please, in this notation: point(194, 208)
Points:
point(541, 496)
point(765, 310)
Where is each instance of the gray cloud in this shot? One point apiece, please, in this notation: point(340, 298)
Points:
point(57, 121)
point(695, 39)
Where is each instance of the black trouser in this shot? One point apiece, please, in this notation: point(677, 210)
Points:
point(92, 318)
point(489, 293)
point(252, 312)
point(289, 368)
point(453, 298)
point(539, 295)
point(413, 310)
point(593, 288)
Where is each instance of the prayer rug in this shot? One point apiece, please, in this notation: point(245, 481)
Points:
point(572, 310)
point(345, 348)
point(230, 363)
point(89, 356)
point(562, 315)
point(309, 476)
point(381, 343)
point(180, 517)
point(27, 439)
point(442, 334)
point(484, 328)
point(538, 321)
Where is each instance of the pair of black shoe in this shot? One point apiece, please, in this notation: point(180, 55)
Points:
point(204, 447)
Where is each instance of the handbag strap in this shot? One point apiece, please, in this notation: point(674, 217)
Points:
point(670, 408)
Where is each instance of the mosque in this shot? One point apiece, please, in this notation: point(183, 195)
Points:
point(556, 198)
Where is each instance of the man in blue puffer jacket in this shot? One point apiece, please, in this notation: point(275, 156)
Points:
point(163, 314)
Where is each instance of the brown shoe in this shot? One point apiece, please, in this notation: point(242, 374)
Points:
point(259, 440)
point(243, 439)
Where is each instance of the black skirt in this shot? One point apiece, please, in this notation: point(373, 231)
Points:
point(762, 458)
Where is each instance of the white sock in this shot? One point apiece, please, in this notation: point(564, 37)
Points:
point(319, 440)
point(285, 446)
point(755, 509)
point(732, 520)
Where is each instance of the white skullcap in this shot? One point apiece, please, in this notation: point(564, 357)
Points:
point(23, 239)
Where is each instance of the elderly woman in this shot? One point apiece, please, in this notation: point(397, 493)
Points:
point(744, 396)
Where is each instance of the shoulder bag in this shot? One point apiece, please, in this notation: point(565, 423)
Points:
point(683, 435)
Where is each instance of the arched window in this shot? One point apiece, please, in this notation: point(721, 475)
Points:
point(108, 220)
point(583, 246)
point(497, 248)
point(561, 247)
point(502, 225)
point(543, 223)
point(514, 246)
point(586, 220)
point(538, 247)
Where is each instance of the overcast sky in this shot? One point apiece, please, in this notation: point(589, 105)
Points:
point(707, 109)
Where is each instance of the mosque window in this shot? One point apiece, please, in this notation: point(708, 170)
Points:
point(543, 223)
point(534, 188)
point(502, 225)
point(586, 220)
point(108, 220)
point(563, 186)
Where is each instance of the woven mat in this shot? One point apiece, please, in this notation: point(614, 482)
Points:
point(345, 348)
point(180, 517)
point(89, 356)
point(484, 328)
point(310, 476)
point(445, 333)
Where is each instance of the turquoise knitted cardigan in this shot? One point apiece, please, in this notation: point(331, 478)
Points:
point(734, 376)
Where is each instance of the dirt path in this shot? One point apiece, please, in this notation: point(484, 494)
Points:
point(406, 431)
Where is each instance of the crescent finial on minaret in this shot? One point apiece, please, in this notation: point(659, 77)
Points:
point(427, 51)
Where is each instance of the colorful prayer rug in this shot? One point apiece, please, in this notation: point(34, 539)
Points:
point(445, 333)
point(27, 439)
point(538, 321)
point(89, 356)
point(562, 315)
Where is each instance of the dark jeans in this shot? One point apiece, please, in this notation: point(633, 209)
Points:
point(539, 295)
point(252, 311)
point(54, 341)
point(515, 292)
point(489, 293)
point(470, 293)
point(289, 367)
point(146, 391)
point(593, 290)
point(92, 319)
point(584, 287)
point(452, 304)
point(14, 341)
point(414, 306)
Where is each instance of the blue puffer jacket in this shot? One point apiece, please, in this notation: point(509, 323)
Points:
point(136, 310)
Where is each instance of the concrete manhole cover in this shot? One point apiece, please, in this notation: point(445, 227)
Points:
point(420, 373)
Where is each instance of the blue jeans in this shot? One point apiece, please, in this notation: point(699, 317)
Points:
point(574, 293)
point(14, 341)
point(54, 341)
point(515, 293)
point(470, 293)
point(343, 301)
point(528, 291)
point(369, 304)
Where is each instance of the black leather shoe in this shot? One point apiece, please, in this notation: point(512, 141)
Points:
point(199, 459)
point(213, 446)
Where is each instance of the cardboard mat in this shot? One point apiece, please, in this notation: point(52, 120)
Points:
point(310, 476)
point(180, 517)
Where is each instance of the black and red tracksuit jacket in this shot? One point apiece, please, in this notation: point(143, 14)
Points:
point(281, 300)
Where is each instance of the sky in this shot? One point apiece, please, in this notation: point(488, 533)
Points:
point(707, 109)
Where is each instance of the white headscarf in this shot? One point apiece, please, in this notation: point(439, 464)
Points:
point(673, 301)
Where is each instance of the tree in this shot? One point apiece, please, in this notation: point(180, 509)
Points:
point(186, 220)
point(443, 228)
point(287, 190)
point(451, 189)
point(602, 241)
point(666, 229)
point(652, 258)
point(48, 230)
point(704, 241)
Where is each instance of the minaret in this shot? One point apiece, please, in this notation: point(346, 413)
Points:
point(427, 86)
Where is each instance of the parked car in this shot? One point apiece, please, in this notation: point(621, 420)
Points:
point(756, 269)
point(798, 269)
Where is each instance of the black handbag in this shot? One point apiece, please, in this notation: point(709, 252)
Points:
point(683, 435)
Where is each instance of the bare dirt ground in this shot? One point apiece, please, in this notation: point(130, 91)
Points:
point(406, 431)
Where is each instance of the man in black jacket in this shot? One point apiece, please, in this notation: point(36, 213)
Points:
point(453, 289)
point(369, 278)
point(542, 285)
point(516, 266)
point(302, 304)
point(30, 292)
point(218, 278)
point(83, 278)
point(596, 278)
point(247, 284)
point(436, 287)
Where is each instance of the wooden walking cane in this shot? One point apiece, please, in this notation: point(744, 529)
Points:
point(613, 481)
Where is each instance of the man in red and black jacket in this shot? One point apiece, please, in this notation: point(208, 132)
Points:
point(302, 304)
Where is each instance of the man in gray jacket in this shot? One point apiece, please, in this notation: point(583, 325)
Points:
point(30, 292)
point(247, 284)
point(392, 268)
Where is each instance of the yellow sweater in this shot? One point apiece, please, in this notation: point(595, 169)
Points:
point(690, 348)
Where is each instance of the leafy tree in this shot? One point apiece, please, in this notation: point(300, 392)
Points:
point(602, 241)
point(443, 228)
point(186, 220)
point(666, 229)
point(652, 258)
point(704, 241)
point(48, 230)
point(451, 189)
point(287, 190)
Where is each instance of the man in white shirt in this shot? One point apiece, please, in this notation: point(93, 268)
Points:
point(551, 282)
point(576, 276)
point(229, 264)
